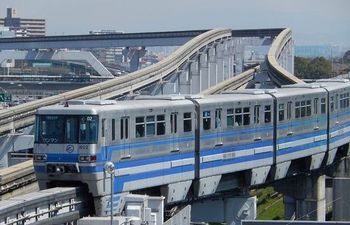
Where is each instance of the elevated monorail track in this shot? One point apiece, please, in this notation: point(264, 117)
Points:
point(277, 73)
point(23, 115)
point(232, 83)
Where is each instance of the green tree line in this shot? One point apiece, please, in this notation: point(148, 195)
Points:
point(316, 68)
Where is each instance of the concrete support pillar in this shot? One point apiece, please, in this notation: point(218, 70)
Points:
point(341, 191)
point(212, 66)
point(224, 210)
point(219, 63)
point(195, 76)
point(204, 71)
point(305, 197)
point(227, 59)
point(136, 54)
point(184, 81)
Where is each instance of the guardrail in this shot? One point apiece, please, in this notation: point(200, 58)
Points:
point(278, 74)
point(51, 206)
point(23, 115)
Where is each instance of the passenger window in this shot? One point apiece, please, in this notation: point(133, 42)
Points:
point(302, 109)
point(113, 129)
point(103, 127)
point(308, 108)
point(289, 110)
point(323, 105)
point(267, 113)
point(257, 114)
point(217, 118)
point(206, 120)
point(160, 124)
point(187, 122)
point(281, 112)
point(229, 118)
point(297, 110)
point(315, 105)
point(238, 117)
point(173, 123)
point(140, 127)
point(246, 116)
point(150, 125)
point(332, 104)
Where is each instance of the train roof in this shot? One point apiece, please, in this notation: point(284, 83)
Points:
point(235, 96)
point(334, 84)
point(96, 106)
point(297, 90)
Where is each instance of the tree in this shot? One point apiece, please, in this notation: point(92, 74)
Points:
point(346, 56)
point(316, 68)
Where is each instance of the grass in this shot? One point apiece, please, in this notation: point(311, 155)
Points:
point(270, 204)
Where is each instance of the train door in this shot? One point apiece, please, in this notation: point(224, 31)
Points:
point(218, 127)
point(289, 119)
point(125, 137)
point(174, 132)
point(257, 122)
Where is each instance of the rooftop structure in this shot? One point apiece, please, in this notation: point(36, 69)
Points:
point(23, 27)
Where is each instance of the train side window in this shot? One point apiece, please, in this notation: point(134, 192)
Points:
point(140, 126)
point(267, 113)
point(150, 125)
point(121, 129)
point(281, 112)
point(187, 122)
point(160, 124)
point(315, 105)
point(332, 104)
point(217, 118)
point(246, 116)
point(257, 114)
point(323, 105)
point(113, 129)
point(103, 127)
point(297, 110)
point(206, 120)
point(126, 128)
point(229, 118)
point(289, 110)
point(238, 117)
point(336, 101)
point(302, 109)
point(344, 100)
point(308, 108)
point(173, 123)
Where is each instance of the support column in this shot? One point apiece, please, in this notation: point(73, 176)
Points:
point(305, 197)
point(204, 73)
point(225, 210)
point(195, 76)
point(219, 63)
point(341, 193)
point(212, 66)
point(184, 81)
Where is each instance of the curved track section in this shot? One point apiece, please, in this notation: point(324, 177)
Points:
point(277, 73)
point(232, 83)
point(23, 115)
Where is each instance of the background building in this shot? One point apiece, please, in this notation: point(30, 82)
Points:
point(23, 27)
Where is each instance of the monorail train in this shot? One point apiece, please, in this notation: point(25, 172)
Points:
point(174, 144)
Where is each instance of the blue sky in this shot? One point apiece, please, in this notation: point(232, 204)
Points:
point(312, 21)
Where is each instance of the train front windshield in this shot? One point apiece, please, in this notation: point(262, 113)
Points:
point(72, 129)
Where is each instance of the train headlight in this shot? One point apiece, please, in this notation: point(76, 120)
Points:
point(40, 157)
point(87, 158)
